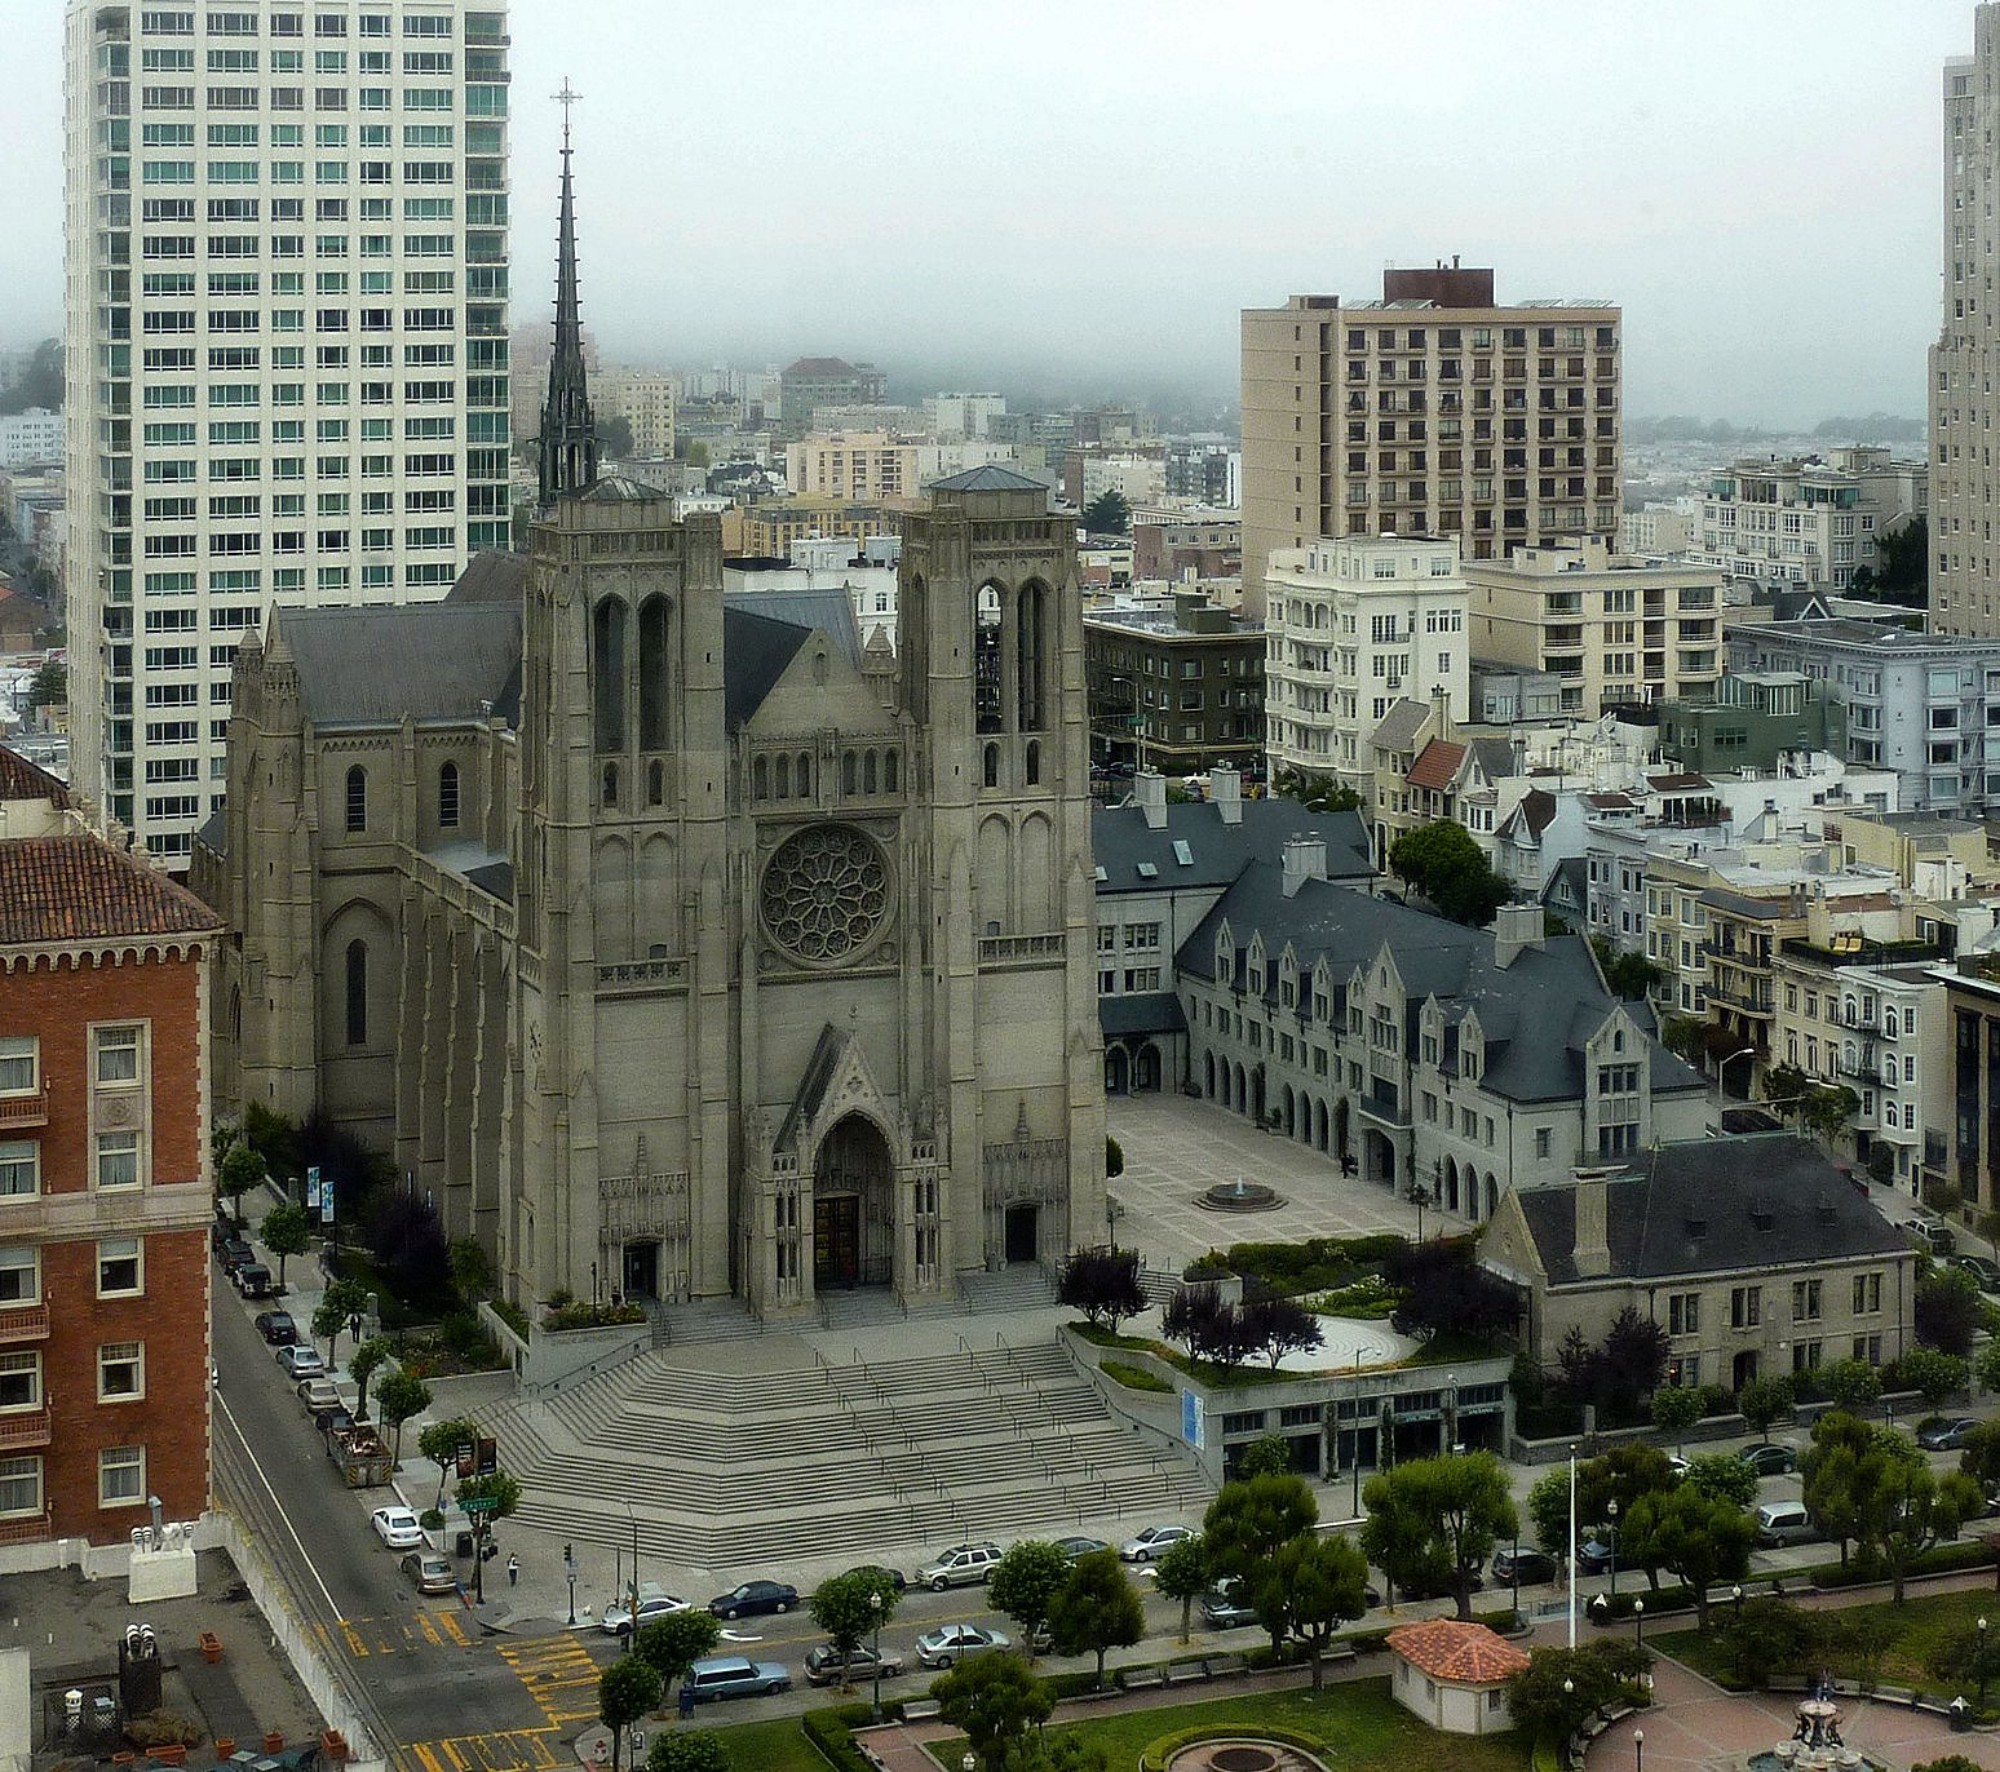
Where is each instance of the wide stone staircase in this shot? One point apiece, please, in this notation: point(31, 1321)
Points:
point(762, 1470)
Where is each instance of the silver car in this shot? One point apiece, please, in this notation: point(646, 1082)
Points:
point(951, 1643)
point(959, 1567)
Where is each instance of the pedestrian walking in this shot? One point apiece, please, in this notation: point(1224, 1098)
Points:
point(513, 1571)
point(687, 1700)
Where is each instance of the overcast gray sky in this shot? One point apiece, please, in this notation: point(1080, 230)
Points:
point(1090, 191)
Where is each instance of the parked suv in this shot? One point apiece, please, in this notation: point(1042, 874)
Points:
point(734, 1676)
point(1531, 1566)
point(1784, 1522)
point(959, 1567)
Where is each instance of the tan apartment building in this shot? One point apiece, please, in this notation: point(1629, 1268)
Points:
point(768, 530)
point(854, 465)
point(646, 400)
point(1613, 630)
point(1433, 411)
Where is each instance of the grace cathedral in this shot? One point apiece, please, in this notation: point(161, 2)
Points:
point(675, 943)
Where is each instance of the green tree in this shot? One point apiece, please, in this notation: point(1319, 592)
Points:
point(1936, 1377)
point(1767, 1636)
point(440, 1442)
point(403, 1394)
point(1851, 1384)
point(471, 1270)
point(339, 1306)
point(1949, 1311)
point(1445, 864)
point(1698, 1537)
point(687, 1750)
point(1310, 1588)
point(1629, 975)
point(1723, 1477)
point(614, 437)
point(285, 1231)
point(626, 1691)
point(362, 1365)
point(994, 1701)
point(1762, 1401)
point(1987, 1365)
point(242, 1169)
point(1550, 1698)
point(674, 1643)
point(1548, 1512)
point(1109, 513)
point(1024, 1583)
point(49, 687)
point(1832, 1488)
point(1434, 1513)
point(1676, 1408)
point(1181, 1573)
point(1096, 1609)
point(849, 1606)
point(1979, 1456)
point(1268, 1456)
point(1247, 1521)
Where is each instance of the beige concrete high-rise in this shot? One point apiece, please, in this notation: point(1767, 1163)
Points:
point(1433, 411)
point(1962, 360)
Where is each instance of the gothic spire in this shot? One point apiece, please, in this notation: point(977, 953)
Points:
point(569, 438)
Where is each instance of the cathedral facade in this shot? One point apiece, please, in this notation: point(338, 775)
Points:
point(675, 947)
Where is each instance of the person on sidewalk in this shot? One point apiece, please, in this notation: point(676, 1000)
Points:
point(513, 1571)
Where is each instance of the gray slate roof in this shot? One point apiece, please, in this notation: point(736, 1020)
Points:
point(1121, 840)
point(431, 661)
point(491, 578)
point(1148, 1012)
point(1535, 1014)
point(755, 651)
point(1758, 1201)
point(990, 478)
point(1399, 727)
point(830, 608)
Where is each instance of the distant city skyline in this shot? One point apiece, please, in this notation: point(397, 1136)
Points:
point(1087, 198)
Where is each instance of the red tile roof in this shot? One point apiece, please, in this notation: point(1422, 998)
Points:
point(1466, 1654)
point(81, 889)
point(22, 780)
point(1437, 763)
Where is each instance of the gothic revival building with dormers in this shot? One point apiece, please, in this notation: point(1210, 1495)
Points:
point(673, 947)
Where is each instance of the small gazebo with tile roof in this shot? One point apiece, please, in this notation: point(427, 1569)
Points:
point(1453, 1675)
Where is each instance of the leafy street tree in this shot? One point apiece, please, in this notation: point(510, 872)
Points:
point(1276, 1327)
point(242, 1169)
point(1622, 1475)
point(1181, 1573)
point(1250, 1517)
point(1109, 513)
point(844, 1606)
point(1832, 1488)
point(49, 687)
point(1698, 1537)
point(626, 1691)
point(1762, 1401)
point(339, 1306)
point(362, 1365)
point(995, 1701)
point(1103, 1284)
point(1949, 1311)
point(285, 1231)
point(401, 1395)
point(440, 1443)
point(1676, 1408)
point(1269, 1455)
point(1551, 1697)
point(1930, 1509)
point(1987, 1365)
point(1872, 1485)
point(1024, 1583)
point(673, 1644)
point(1548, 1512)
point(1766, 1636)
point(687, 1750)
point(1096, 1610)
point(1936, 1377)
point(502, 1488)
point(1979, 1457)
point(1208, 1325)
point(1722, 1477)
point(1310, 1588)
point(1445, 1512)
point(1442, 1290)
point(1630, 976)
point(1445, 864)
point(1852, 1384)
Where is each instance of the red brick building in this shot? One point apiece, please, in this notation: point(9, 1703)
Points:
point(105, 1193)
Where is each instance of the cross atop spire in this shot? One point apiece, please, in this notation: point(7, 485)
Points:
point(569, 436)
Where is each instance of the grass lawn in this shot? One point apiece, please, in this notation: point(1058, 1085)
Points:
point(1356, 1720)
point(779, 1746)
point(1915, 1631)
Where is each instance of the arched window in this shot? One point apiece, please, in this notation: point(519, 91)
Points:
point(1034, 762)
point(992, 765)
point(607, 674)
point(653, 674)
point(448, 796)
point(611, 784)
point(868, 772)
point(357, 799)
point(889, 772)
point(1030, 611)
point(656, 783)
point(784, 789)
point(357, 993)
point(986, 657)
point(848, 777)
point(805, 774)
point(760, 779)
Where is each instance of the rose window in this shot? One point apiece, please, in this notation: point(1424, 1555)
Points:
point(826, 893)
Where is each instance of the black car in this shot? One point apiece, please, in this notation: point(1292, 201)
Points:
point(1438, 1588)
point(751, 1598)
point(333, 1421)
point(236, 1253)
point(1528, 1567)
point(277, 1328)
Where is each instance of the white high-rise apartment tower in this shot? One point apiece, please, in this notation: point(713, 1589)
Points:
point(287, 351)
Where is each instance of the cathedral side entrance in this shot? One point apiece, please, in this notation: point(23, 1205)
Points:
point(853, 1207)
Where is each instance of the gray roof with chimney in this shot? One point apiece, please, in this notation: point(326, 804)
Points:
point(1217, 851)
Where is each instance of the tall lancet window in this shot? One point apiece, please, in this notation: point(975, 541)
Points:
point(607, 673)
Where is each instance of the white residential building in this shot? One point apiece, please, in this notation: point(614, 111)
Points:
point(1354, 625)
point(287, 353)
point(31, 439)
point(950, 417)
point(1809, 521)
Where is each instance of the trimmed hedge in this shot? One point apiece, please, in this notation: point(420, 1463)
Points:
point(1942, 1559)
point(1159, 1754)
point(1134, 1378)
point(831, 1730)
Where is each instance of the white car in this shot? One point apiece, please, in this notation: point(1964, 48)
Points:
point(1149, 1543)
point(397, 1527)
point(654, 1602)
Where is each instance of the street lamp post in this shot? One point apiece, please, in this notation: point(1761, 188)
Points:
point(1736, 1598)
point(569, 1569)
point(1570, 1559)
point(1639, 1622)
point(1721, 1066)
point(875, 1606)
point(1611, 1507)
point(1638, 1750)
point(1982, 1664)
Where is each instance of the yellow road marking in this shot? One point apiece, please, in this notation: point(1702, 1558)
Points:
point(560, 1677)
point(507, 1750)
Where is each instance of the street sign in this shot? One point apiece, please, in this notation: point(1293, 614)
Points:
point(479, 1504)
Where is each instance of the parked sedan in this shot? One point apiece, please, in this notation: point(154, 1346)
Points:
point(1946, 1436)
point(277, 1328)
point(318, 1394)
point(235, 1253)
point(1987, 1273)
point(1150, 1543)
point(1770, 1459)
point(751, 1598)
point(654, 1602)
point(1226, 1606)
point(428, 1572)
point(397, 1527)
point(1528, 1567)
point(823, 1666)
point(301, 1361)
point(940, 1648)
point(1080, 1546)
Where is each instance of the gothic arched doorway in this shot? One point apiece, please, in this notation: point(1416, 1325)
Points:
point(853, 1194)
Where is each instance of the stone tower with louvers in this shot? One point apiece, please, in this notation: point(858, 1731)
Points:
point(803, 995)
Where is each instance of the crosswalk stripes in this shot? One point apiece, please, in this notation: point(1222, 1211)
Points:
point(392, 1636)
point(560, 1677)
point(504, 1750)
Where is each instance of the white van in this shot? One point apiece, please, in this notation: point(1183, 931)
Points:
point(1784, 1522)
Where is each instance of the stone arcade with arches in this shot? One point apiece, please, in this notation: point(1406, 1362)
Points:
point(675, 949)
